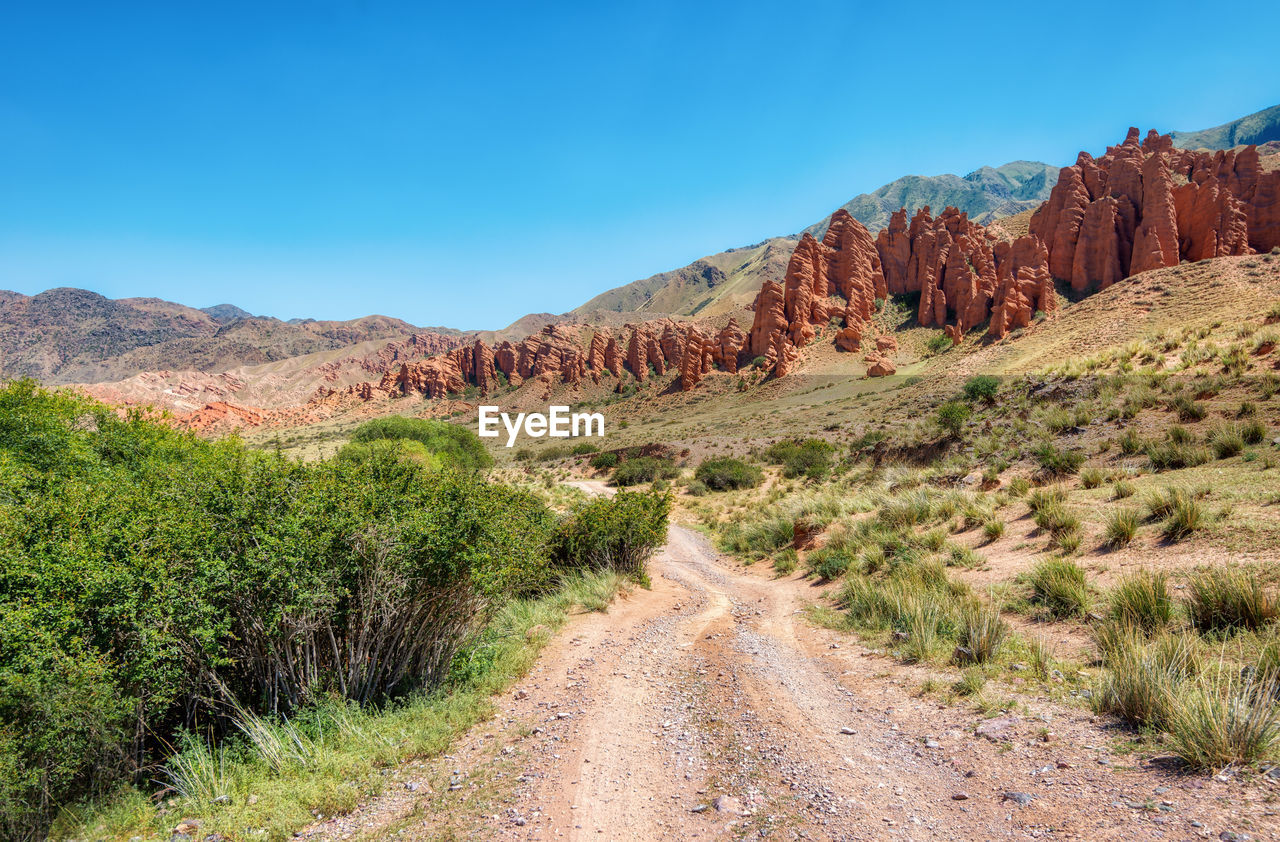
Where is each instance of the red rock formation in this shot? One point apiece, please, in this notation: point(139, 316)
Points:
point(849, 338)
point(839, 277)
point(727, 346)
point(1146, 205)
point(878, 365)
point(1023, 285)
point(770, 318)
point(894, 245)
point(696, 360)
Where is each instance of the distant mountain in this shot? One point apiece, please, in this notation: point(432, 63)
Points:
point(721, 282)
point(224, 313)
point(76, 336)
point(1257, 128)
point(986, 194)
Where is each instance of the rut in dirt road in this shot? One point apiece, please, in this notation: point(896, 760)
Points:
point(710, 707)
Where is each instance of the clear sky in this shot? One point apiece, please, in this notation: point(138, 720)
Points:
point(466, 163)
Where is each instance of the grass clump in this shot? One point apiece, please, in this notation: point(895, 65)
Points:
point(1186, 518)
point(1056, 462)
point(982, 634)
point(1122, 526)
point(1142, 601)
point(1142, 681)
point(1058, 585)
point(1122, 489)
point(1225, 599)
point(1219, 724)
point(1226, 441)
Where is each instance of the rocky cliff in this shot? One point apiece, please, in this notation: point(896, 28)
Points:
point(1146, 204)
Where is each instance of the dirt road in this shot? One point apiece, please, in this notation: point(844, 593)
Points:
point(710, 707)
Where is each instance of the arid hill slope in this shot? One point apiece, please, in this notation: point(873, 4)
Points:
point(73, 335)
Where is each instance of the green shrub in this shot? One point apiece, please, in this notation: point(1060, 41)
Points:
point(1223, 599)
point(456, 445)
point(616, 533)
point(809, 458)
point(939, 343)
point(697, 488)
point(1142, 601)
point(1059, 586)
point(831, 563)
point(982, 387)
point(604, 461)
point(582, 448)
point(151, 580)
point(644, 469)
point(952, 416)
point(725, 473)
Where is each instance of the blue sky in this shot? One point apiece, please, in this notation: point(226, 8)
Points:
point(464, 164)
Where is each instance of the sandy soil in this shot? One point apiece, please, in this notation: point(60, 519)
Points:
point(709, 707)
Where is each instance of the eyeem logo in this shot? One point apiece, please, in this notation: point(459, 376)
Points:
point(557, 423)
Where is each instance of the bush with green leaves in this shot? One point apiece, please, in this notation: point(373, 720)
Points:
point(616, 533)
point(982, 387)
point(604, 461)
point(810, 458)
point(952, 416)
point(151, 580)
point(726, 473)
point(456, 445)
point(644, 469)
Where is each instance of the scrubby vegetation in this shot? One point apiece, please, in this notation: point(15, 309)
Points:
point(644, 469)
point(809, 458)
point(162, 591)
point(726, 473)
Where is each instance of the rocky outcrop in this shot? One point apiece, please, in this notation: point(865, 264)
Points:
point(563, 354)
point(879, 365)
point(1023, 285)
point(770, 318)
point(836, 279)
point(696, 360)
point(727, 346)
point(1146, 205)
